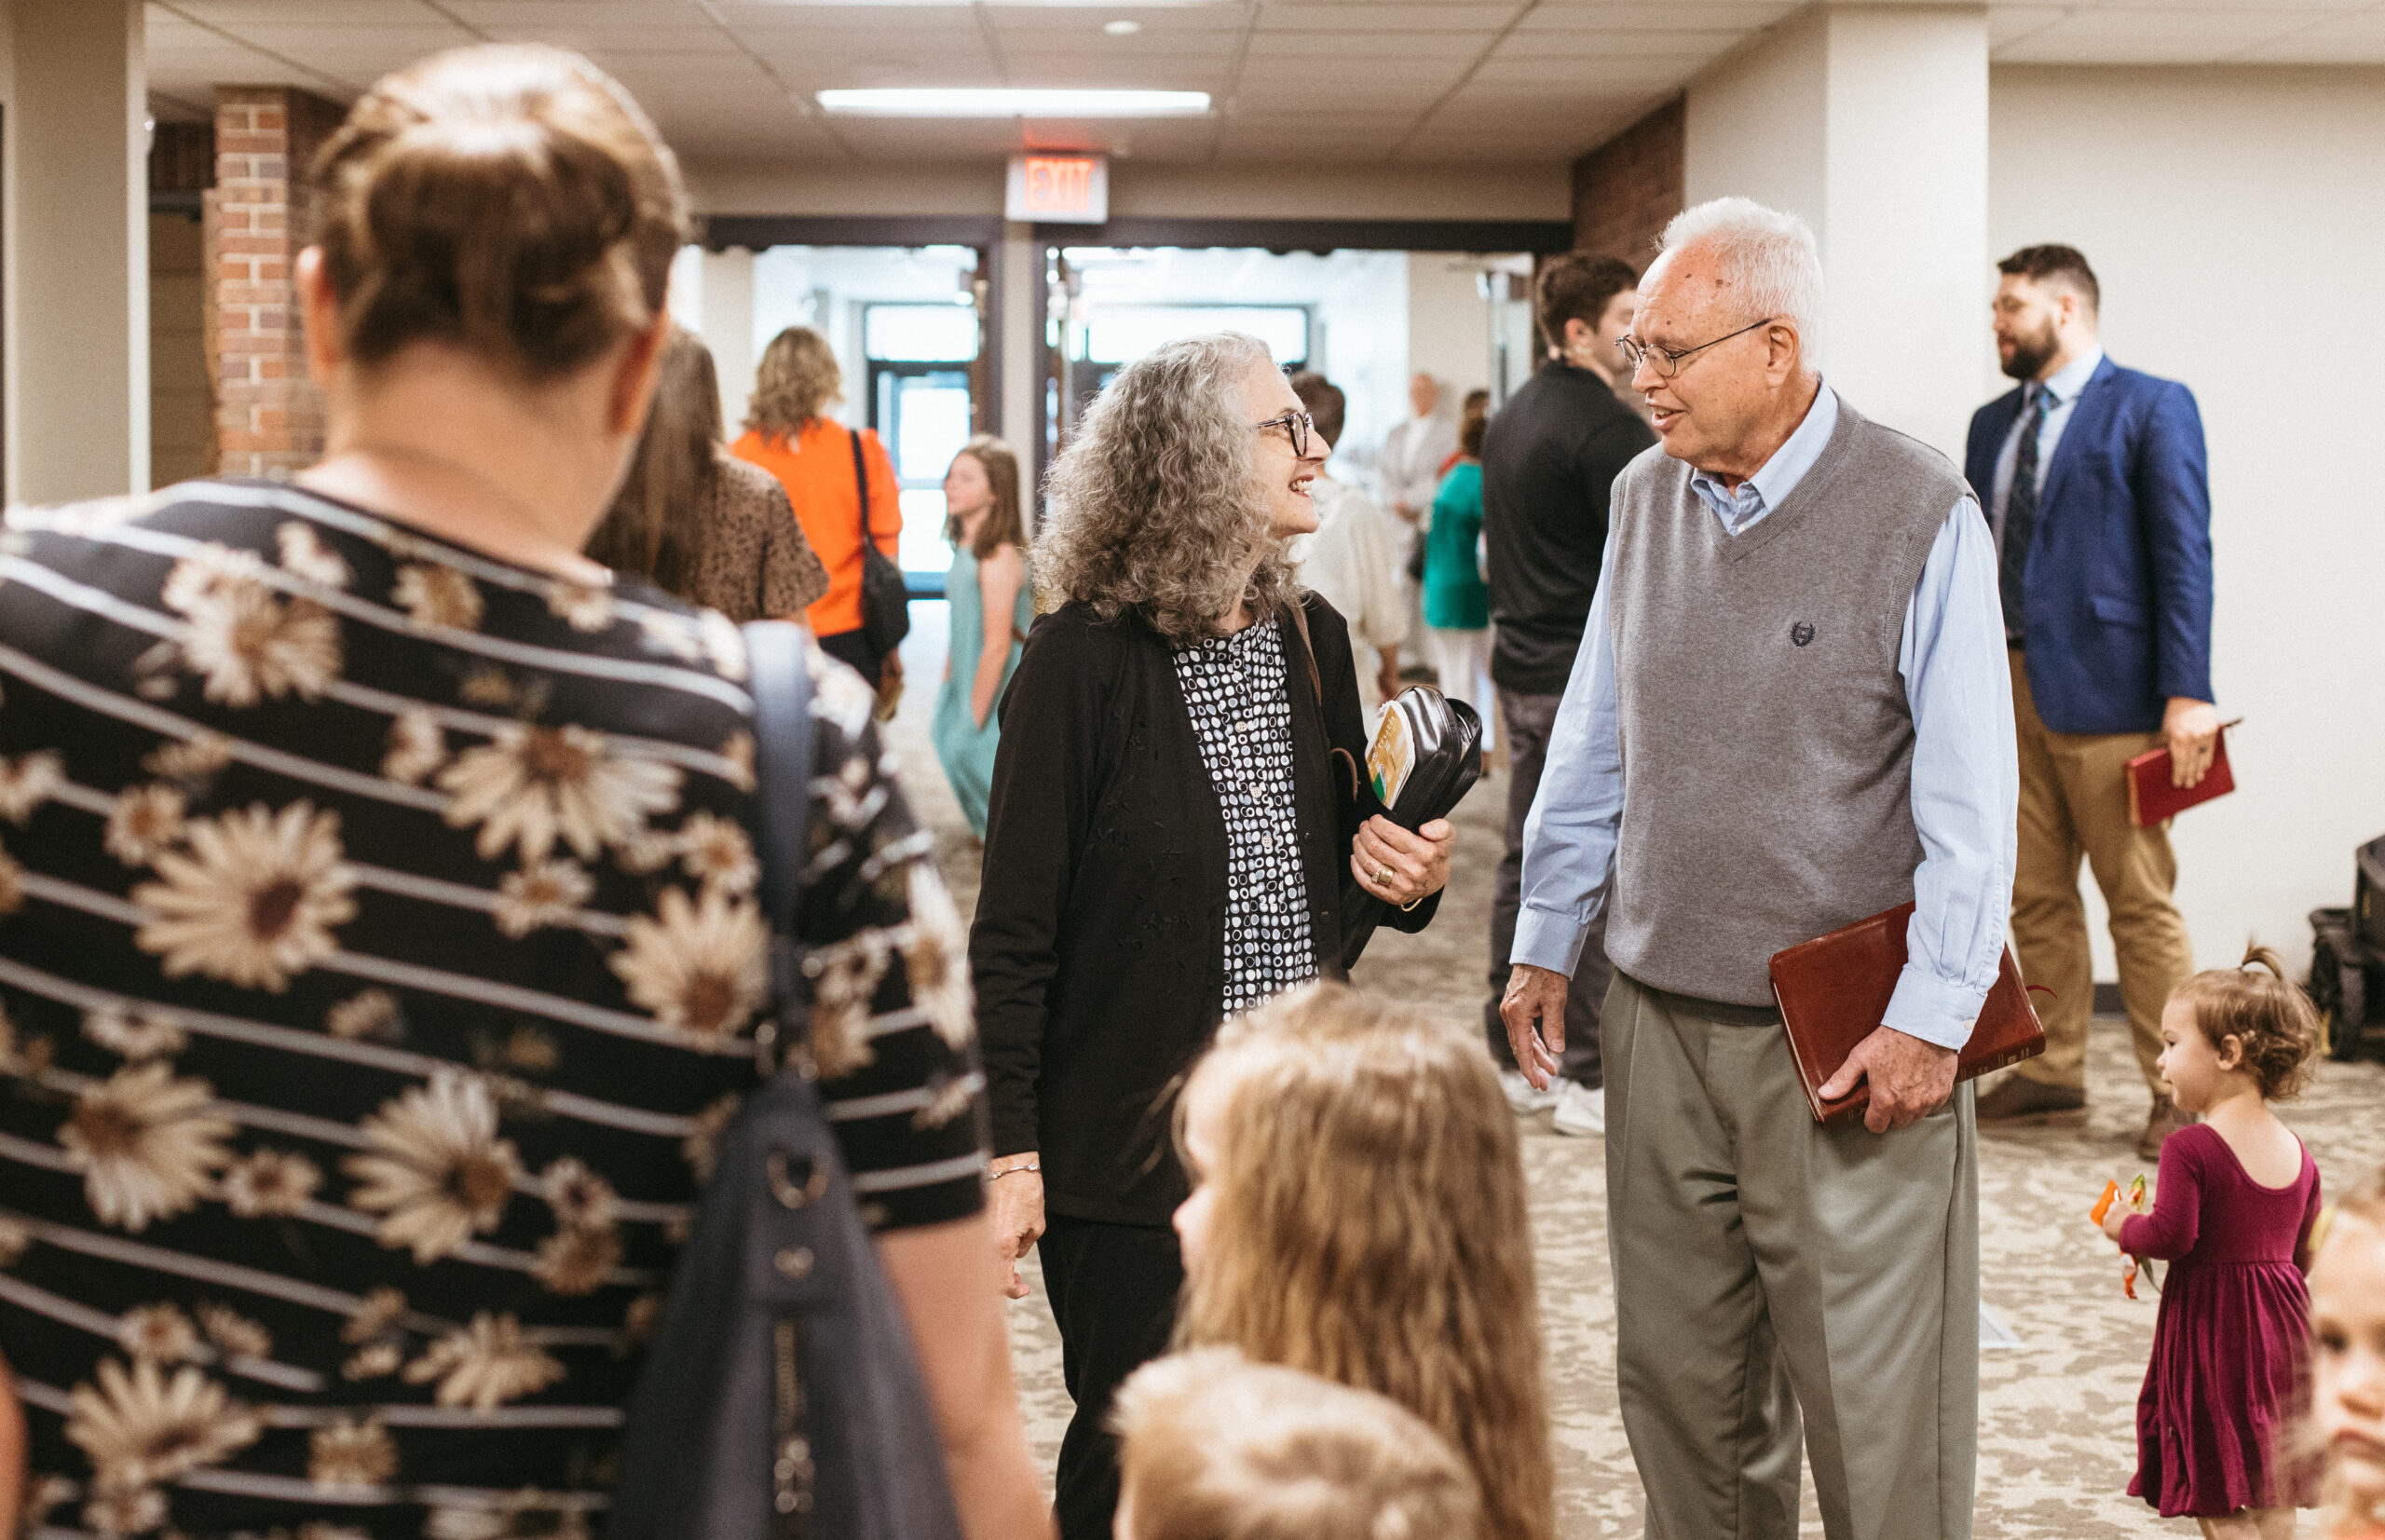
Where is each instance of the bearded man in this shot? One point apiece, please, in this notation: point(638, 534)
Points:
point(2097, 496)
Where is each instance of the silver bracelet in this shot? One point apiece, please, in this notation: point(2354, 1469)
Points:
point(1015, 1170)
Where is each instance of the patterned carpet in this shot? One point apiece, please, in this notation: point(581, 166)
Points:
point(2056, 1413)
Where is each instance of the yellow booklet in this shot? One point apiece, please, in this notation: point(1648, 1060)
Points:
point(1391, 755)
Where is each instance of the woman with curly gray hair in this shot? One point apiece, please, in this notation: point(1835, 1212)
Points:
point(1174, 802)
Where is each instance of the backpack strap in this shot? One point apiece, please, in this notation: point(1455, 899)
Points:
point(1308, 651)
point(781, 680)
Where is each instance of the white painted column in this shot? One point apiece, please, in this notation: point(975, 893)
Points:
point(78, 306)
point(1871, 123)
point(1019, 310)
point(727, 306)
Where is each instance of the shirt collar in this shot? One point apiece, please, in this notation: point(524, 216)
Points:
point(1779, 475)
point(2073, 376)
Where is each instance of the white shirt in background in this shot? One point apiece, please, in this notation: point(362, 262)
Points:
point(1411, 462)
point(1353, 561)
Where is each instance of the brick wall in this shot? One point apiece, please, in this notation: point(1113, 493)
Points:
point(269, 420)
point(1625, 190)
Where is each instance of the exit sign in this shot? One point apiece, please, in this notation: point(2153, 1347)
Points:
point(1059, 189)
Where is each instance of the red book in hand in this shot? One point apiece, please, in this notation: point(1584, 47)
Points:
point(1833, 989)
point(2151, 797)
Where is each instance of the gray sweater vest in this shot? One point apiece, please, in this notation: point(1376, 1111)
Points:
point(1768, 744)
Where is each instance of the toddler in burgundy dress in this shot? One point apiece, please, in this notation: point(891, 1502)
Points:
point(2233, 1207)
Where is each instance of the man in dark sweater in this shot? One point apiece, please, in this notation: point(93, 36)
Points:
point(1548, 463)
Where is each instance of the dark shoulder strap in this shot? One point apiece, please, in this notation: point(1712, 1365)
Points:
point(782, 685)
point(1308, 649)
point(860, 480)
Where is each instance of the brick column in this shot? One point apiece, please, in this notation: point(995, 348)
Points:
point(269, 420)
point(1627, 189)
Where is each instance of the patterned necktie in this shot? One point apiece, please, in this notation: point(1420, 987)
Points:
point(2020, 512)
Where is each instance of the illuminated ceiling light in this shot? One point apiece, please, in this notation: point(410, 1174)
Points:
point(937, 101)
point(1121, 28)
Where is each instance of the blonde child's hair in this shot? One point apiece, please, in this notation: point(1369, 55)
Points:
point(1213, 1447)
point(2273, 1022)
point(1369, 1227)
point(2342, 1511)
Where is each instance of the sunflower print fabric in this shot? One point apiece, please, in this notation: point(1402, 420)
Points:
point(379, 957)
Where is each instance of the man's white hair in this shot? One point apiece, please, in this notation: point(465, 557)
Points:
point(1770, 256)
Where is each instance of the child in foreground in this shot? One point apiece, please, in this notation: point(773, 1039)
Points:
point(1358, 1211)
point(2233, 1207)
point(1213, 1447)
point(2347, 1362)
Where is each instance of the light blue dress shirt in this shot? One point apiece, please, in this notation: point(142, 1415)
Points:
point(2062, 392)
point(1966, 769)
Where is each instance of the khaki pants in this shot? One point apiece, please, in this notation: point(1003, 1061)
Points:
point(2073, 803)
point(1766, 1267)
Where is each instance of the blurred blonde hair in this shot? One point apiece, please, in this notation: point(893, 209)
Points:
point(798, 375)
point(1213, 1447)
point(1369, 1227)
point(2357, 1217)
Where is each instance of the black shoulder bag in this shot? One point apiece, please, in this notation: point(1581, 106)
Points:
point(885, 598)
point(781, 1399)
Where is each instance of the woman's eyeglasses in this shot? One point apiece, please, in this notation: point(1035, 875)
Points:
point(1297, 426)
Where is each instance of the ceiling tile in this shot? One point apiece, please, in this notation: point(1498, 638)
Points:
point(594, 37)
point(2113, 36)
point(1154, 20)
point(1375, 17)
point(245, 16)
point(2010, 23)
point(1616, 45)
point(569, 13)
point(1689, 16)
point(2345, 40)
point(1296, 72)
point(1330, 48)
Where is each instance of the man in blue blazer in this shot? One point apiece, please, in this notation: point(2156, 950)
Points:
point(2092, 477)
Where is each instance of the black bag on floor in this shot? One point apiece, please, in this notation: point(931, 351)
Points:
point(885, 597)
point(781, 1399)
point(2348, 956)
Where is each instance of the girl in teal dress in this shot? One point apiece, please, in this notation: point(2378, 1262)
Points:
point(992, 604)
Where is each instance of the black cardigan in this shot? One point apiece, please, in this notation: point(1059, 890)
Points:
point(1098, 949)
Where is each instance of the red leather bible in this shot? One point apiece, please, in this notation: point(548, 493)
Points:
point(1832, 991)
point(2151, 797)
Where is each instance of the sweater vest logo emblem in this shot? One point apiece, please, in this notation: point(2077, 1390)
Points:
point(1800, 634)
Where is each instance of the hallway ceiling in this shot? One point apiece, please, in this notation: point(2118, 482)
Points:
point(1461, 82)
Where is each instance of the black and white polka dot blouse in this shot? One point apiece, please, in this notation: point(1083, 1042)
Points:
point(1234, 687)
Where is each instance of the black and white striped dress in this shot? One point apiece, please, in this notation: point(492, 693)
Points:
point(378, 965)
point(1234, 688)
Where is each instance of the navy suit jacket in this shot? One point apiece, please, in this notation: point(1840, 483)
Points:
point(2116, 598)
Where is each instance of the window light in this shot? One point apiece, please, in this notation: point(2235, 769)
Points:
point(936, 102)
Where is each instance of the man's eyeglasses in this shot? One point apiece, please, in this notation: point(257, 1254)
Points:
point(1297, 426)
point(1667, 362)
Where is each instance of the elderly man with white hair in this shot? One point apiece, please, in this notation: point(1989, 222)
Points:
point(1791, 710)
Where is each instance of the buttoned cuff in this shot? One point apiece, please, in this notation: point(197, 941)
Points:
point(1546, 938)
point(1936, 1010)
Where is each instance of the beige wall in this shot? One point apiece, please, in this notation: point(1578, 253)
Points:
point(1145, 191)
point(1870, 121)
point(2234, 218)
point(77, 221)
point(1448, 324)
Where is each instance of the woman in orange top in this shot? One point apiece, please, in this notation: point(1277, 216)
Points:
point(813, 457)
